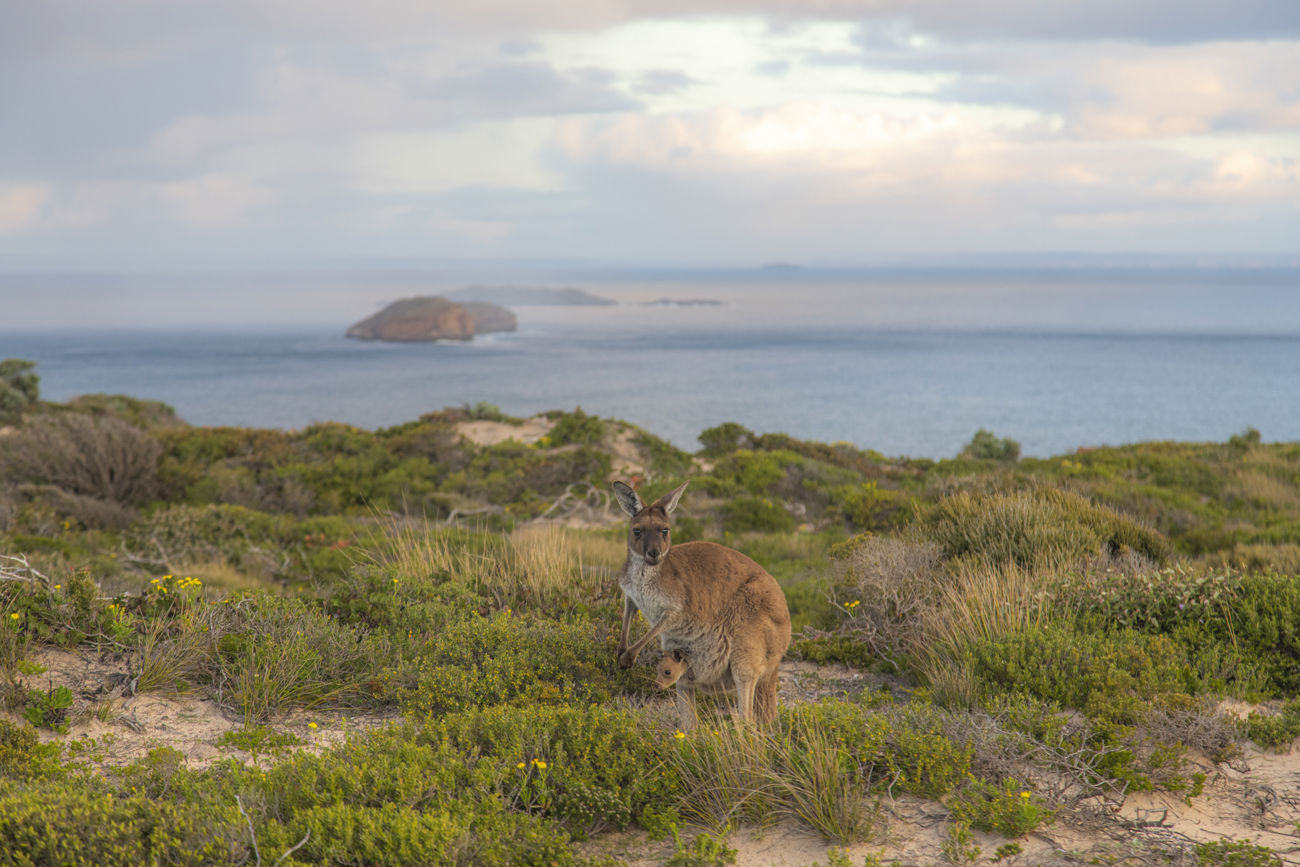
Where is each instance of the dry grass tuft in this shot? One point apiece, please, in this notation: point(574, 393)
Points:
point(537, 565)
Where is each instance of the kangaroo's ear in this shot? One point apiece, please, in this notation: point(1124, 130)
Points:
point(628, 500)
point(669, 500)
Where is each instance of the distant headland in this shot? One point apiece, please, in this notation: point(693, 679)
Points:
point(529, 296)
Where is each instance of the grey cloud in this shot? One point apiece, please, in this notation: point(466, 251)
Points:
point(69, 116)
point(516, 48)
point(515, 89)
point(108, 29)
point(1158, 21)
point(659, 82)
point(773, 68)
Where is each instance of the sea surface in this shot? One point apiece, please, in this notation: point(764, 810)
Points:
point(812, 361)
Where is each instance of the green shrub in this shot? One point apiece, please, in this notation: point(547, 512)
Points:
point(726, 438)
point(1275, 731)
point(19, 388)
point(592, 768)
point(1036, 530)
point(985, 446)
point(144, 414)
point(1009, 809)
point(1235, 853)
point(24, 757)
point(754, 473)
point(745, 514)
point(666, 460)
point(1112, 676)
point(384, 834)
point(51, 823)
point(576, 428)
point(502, 659)
point(277, 653)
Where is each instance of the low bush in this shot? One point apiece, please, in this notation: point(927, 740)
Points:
point(1034, 530)
point(1113, 677)
point(502, 659)
point(1275, 730)
point(101, 457)
point(725, 438)
point(592, 768)
point(19, 388)
point(576, 428)
point(53, 823)
point(749, 514)
point(23, 757)
point(985, 446)
point(276, 653)
point(1235, 853)
point(882, 585)
point(1008, 809)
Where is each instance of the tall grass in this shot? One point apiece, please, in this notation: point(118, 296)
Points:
point(536, 566)
point(738, 773)
point(976, 605)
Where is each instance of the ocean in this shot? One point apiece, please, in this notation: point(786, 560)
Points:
point(1065, 366)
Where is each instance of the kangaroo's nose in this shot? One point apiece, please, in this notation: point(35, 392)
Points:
point(652, 553)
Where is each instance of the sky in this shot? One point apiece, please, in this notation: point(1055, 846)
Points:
point(141, 133)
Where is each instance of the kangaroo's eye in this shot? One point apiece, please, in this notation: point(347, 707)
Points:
point(664, 532)
point(637, 532)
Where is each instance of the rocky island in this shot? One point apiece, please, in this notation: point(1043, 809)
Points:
point(433, 318)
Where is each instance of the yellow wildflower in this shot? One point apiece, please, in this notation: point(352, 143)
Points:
point(679, 734)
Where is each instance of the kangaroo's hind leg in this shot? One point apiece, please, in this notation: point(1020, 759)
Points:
point(765, 696)
point(685, 694)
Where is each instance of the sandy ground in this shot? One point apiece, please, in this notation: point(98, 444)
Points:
point(1255, 797)
point(628, 459)
point(490, 433)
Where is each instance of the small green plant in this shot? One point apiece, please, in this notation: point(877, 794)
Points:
point(535, 795)
point(959, 846)
point(1235, 853)
point(1275, 731)
point(705, 850)
point(1006, 850)
point(49, 709)
point(257, 739)
point(1009, 809)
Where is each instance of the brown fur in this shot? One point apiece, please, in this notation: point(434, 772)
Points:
point(722, 610)
point(669, 669)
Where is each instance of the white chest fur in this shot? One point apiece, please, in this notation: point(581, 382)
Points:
point(640, 583)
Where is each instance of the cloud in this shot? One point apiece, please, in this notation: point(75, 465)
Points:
point(523, 89)
point(20, 205)
point(1121, 90)
point(701, 128)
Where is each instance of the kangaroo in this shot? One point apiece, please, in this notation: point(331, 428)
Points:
point(673, 666)
point(716, 606)
point(669, 669)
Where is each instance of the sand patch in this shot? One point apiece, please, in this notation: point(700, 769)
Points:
point(126, 726)
point(490, 433)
